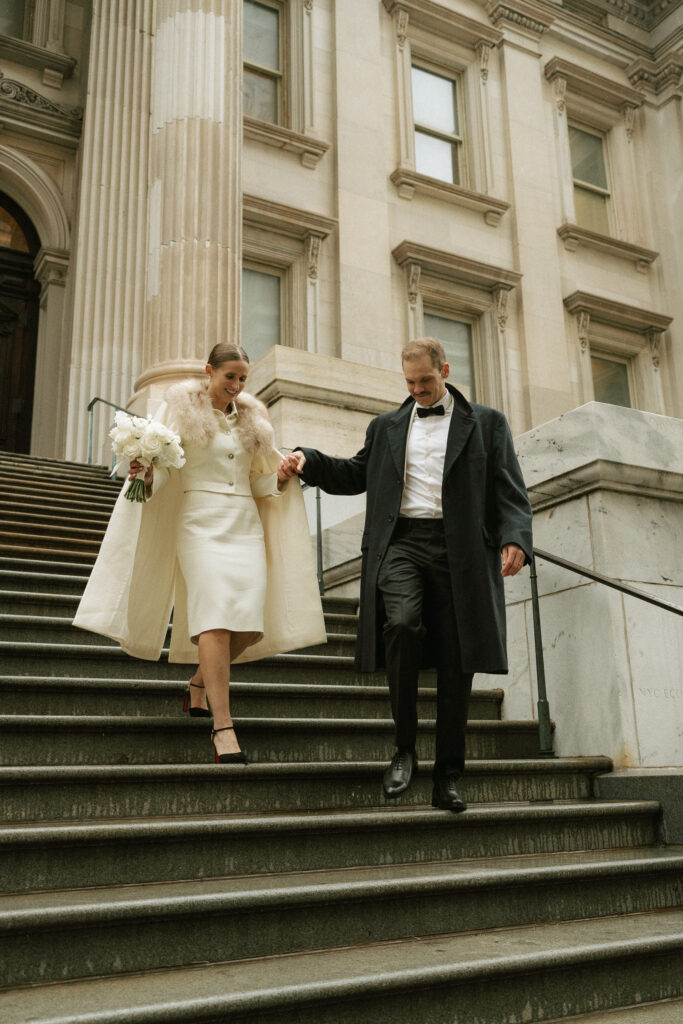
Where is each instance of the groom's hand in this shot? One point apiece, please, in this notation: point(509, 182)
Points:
point(291, 466)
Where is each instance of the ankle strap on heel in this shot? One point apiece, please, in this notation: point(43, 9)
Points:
point(197, 686)
point(226, 728)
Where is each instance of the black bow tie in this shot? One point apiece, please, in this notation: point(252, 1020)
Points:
point(433, 410)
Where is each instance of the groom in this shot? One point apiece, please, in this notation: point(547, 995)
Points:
point(447, 517)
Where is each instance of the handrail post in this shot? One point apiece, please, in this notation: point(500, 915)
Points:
point(91, 415)
point(319, 540)
point(545, 734)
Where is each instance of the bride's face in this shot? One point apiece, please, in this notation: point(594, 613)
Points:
point(226, 382)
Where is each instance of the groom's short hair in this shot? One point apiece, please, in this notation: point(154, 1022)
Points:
point(431, 347)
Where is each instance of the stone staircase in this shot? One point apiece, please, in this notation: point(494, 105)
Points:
point(143, 884)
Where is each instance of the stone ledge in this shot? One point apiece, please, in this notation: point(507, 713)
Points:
point(308, 148)
point(408, 182)
point(20, 52)
point(607, 476)
point(574, 237)
point(662, 784)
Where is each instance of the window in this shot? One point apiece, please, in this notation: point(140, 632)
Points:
point(438, 142)
point(456, 338)
point(589, 173)
point(263, 78)
point(12, 18)
point(11, 234)
point(610, 381)
point(261, 311)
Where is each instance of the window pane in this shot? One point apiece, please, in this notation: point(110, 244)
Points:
point(588, 163)
point(591, 210)
point(456, 338)
point(261, 35)
point(12, 18)
point(260, 312)
point(11, 235)
point(436, 158)
point(260, 97)
point(610, 382)
point(434, 103)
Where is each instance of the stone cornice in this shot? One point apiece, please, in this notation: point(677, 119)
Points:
point(618, 314)
point(287, 220)
point(29, 112)
point(408, 182)
point(531, 15)
point(574, 237)
point(605, 475)
point(21, 52)
point(454, 267)
point(582, 82)
point(654, 76)
point(444, 22)
point(308, 148)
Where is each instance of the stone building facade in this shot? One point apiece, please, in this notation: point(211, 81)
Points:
point(332, 177)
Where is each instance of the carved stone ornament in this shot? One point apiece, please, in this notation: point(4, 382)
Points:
point(655, 341)
point(560, 90)
point(20, 93)
point(500, 296)
point(583, 323)
point(483, 52)
point(413, 283)
point(308, 6)
point(629, 114)
point(524, 14)
point(313, 255)
point(402, 19)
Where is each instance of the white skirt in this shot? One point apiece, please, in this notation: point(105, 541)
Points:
point(222, 556)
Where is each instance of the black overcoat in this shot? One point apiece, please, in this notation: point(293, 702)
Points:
point(485, 506)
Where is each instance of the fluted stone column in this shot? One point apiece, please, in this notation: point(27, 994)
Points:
point(195, 227)
point(109, 271)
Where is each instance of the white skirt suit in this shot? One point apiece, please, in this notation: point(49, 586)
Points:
point(219, 544)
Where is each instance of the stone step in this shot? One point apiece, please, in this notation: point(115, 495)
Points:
point(56, 936)
point(64, 530)
point(50, 695)
point(61, 466)
point(109, 739)
point(67, 504)
point(20, 566)
point(43, 514)
point(665, 1011)
point(72, 484)
point(16, 538)
point(558, 968)
point(103, 661)
point(101, 792)
point(70, 855)
point(54, 629)
point(44, 554)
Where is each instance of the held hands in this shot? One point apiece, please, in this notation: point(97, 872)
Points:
point(291, 465)
point(513, 560)
point(137, 467)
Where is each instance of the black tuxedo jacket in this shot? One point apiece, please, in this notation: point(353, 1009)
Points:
point(485, 506)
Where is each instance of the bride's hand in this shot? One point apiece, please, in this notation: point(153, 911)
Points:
point(291, 466)
point(137, 467)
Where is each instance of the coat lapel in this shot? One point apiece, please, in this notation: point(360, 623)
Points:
point(397, 436)
point(462, 425)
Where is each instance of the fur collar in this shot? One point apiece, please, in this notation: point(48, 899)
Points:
point(193, 415)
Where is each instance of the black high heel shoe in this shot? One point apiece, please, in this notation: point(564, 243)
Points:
point(187, 705)
point(237, 757)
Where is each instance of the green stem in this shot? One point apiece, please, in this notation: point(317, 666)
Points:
point(136, 490)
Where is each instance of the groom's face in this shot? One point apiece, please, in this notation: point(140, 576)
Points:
point(425, 381)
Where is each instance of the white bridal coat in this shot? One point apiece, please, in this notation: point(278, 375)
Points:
point(136, 581)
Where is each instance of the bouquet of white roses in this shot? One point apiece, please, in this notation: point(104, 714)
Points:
point(150, 442)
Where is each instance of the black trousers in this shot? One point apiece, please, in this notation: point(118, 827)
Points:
point(415, 584)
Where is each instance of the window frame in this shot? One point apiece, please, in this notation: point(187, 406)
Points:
point(281, 76)
point(281, 273)
point(609, 356)
point(458, 142)
point(457, 313)
point(606, 194)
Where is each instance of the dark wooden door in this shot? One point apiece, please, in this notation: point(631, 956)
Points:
point(19, 308)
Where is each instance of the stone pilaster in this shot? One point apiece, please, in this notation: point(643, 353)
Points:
point(109, 272)
point(194, 255)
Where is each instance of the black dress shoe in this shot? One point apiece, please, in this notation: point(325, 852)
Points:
point(445, 795)
point(399, 774)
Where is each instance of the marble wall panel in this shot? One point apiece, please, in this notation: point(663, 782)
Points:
point(636, 538)
point(519, 702)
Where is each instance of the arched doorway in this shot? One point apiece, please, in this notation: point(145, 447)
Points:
point(19, 297)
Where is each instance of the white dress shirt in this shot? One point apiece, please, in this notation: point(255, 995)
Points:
point(425, 456)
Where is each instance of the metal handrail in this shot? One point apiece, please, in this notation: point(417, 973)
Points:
point(91, 413)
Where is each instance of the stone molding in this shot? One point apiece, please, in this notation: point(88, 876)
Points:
point(582, 82)
point(36, 192)
point(618, 314)
point(51, 267)
point(21, 52)
point(286, 220)
point(530, 15)
point(654, 76)
point(456, 268)
point(574, 237)
point(409, 182)
point(604, 475)
point(309, 149)
point(32, 113)
point(441, 21)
